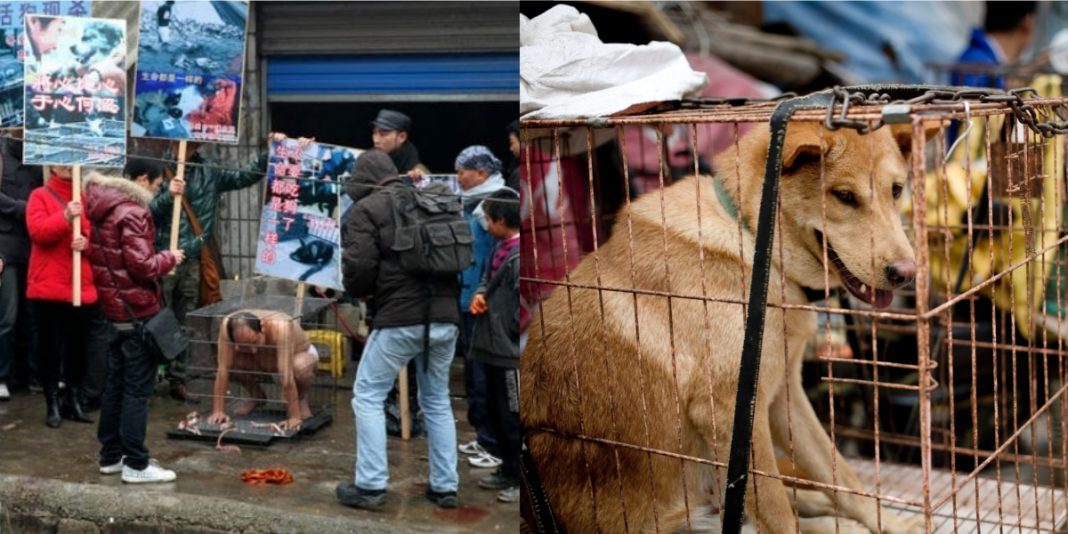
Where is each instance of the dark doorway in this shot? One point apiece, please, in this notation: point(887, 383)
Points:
point(440, 130)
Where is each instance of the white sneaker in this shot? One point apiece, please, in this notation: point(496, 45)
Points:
point(4, 393)
point(485, 460)
point(151, 473)
point(472, 448)
point(116, 467)
point(508, 494)
point(112, 469)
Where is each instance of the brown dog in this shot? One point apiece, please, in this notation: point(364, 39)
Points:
point(661, 373)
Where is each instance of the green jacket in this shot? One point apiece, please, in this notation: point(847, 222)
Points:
point(203, 186)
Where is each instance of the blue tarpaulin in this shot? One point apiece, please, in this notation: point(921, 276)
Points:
point(883, 41)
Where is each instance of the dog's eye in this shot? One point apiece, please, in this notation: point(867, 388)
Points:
point(896, 191)
point(845, 197)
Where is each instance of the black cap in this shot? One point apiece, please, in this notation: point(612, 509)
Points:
point(392, 120)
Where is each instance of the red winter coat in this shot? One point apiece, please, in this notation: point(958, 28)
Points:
point(51, 271)
point(124, 241)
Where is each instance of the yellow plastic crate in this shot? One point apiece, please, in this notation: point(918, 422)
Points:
point(332, 341)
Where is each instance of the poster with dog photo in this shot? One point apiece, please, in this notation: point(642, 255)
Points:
point(191, 59)
point(300, 233)
point(75, 100)
point(12, 49)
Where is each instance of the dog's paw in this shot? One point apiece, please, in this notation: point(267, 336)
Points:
point(894, 524)
point(825, 524)
point(811, 503)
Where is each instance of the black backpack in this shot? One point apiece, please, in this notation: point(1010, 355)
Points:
point(432, 238)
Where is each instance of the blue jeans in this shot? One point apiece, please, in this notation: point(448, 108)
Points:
point(386, 351)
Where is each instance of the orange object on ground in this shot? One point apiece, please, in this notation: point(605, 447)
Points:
point(264, 476)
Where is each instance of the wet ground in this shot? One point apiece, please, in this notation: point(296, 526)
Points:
point(317, 462)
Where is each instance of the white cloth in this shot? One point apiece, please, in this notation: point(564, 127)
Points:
point(566, 72)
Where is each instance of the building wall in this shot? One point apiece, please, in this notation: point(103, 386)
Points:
point(239, 216)
point(325, 28)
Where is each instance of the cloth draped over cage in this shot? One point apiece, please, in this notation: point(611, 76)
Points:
point(567, 72)
point(1025, 178)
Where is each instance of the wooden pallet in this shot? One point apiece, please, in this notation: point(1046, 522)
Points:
point(244, 433)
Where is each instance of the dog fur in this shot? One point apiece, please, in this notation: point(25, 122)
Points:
point(661, 372)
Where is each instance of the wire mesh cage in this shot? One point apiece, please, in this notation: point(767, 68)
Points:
point(913, 370)
point(254, 394)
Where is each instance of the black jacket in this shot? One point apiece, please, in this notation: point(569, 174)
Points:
point(406, 157)
point(371, 268)
point(15, 186)
point(495, 340)
point(203, 186)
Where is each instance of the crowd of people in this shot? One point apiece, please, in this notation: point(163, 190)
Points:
point(87, 353)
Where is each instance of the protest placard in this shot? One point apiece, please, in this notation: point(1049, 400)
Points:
point(75, 102)
point(300, 234)
point(12, 38)
point(191, 59)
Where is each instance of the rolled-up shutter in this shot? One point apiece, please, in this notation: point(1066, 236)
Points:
point(307, 28)
point(390, 51)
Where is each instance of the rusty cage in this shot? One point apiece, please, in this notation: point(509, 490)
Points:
point(947, 402)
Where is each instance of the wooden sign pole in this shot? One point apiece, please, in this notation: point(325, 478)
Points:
point(298, 306)
point(176, 215)
point(406, 412)
point(76, 226)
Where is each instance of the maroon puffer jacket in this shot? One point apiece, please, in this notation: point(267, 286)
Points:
point(123, 238)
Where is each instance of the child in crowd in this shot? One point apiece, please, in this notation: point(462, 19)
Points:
point(495, 341)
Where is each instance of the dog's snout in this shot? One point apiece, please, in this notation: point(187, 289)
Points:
point(901, 272)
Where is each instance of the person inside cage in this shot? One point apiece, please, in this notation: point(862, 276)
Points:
point(255, 343)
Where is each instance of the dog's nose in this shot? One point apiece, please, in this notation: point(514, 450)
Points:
point(900, 272)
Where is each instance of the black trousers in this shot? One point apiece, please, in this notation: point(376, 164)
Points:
point(502, 386)
point(18, 332)
point(475, 389)
point(131, 379)
point(96, 358)
point(62, 342)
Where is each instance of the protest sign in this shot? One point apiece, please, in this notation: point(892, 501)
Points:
point(191, 59)
point(451, 180)
point(75, 103)
point(12, 38)
point(300, 235)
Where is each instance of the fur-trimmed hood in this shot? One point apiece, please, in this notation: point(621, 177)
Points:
point(104, 193)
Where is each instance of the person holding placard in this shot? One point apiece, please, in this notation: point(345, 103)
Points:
point(62, 327)
point(199, 191)
point(390, 135)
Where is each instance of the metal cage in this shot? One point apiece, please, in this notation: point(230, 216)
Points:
point(947, 405)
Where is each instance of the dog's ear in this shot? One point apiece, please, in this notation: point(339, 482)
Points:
point(803, 146)
point(903, 134)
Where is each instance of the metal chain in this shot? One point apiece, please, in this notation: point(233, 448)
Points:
point(1024, 111)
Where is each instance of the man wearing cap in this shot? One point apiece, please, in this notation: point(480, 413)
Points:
point(390, 134)
point(371, 267)
point(479, 174)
